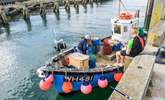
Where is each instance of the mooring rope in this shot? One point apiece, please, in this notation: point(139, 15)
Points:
point(123, 94)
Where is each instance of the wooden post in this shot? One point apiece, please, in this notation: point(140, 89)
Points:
point(4, 18)
point(148, 14)
point(56, 7)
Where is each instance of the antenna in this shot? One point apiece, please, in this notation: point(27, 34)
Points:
point(119, 8)
point(121, 3)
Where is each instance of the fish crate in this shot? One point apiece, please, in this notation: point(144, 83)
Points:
point(79, 60)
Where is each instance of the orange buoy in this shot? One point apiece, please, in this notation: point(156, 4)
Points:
point(125, 16)
point(118, 76)
point(44, 85)
point(67, 87)
point(65, 61)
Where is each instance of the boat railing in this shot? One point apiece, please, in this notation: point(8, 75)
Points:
point(73, 69)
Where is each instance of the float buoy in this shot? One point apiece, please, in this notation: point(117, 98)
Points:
point(44, 85)
point(118, 76)
point(102, 82)
point(86, 88)
point(67, 87)
point(50, 78)
point(66, 61)
point(125, 16)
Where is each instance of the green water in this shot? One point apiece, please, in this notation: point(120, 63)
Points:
point(26, 47)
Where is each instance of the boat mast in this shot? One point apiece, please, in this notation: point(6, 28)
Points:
point(119, 8)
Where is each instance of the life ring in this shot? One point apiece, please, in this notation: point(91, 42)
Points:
point(125, 16)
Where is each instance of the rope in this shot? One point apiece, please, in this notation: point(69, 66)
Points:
point(123, 94)
point(124, 6)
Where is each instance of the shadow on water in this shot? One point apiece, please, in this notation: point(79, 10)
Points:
point(68, 14)
point(85, 8)
point(57, 15)
point(1, 31)
point(28, 23)
point(77, 10)
point(7, 31)
point(44, 20)
point(91, 4)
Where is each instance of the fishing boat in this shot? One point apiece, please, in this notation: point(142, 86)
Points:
point(62, 72)
point(71, 71)
point(123, 22)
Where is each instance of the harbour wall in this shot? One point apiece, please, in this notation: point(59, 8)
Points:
point(137, 77)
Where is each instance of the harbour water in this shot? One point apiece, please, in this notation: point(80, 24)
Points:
point(25, 47)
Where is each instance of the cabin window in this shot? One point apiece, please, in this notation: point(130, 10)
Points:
point(134, 25)
point(117, 29)
point(125, 29)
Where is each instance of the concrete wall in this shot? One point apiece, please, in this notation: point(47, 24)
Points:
point(156, 31)
point(158, 12)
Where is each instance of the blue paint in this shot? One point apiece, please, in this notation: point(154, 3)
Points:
point(59, 79)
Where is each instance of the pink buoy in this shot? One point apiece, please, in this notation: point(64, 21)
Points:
point(86, 88)
point(50, 78)
point(44, 85)
point(102, 82)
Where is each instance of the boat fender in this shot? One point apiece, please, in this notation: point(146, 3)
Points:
point(44, 85)
point(50, 78)
point(40, 73)
point(102, 82)
point(60, 45)
point(86, 88)
point(118, 76)
point(67, 87)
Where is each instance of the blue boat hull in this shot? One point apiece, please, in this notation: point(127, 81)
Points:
point(78, 78)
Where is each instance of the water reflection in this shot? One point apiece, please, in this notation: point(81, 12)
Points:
point(77, 10)
point(85, 8)
point(1, 30)
point(91, 4)
point(28, 23)
point(57, 15)
point(68, 14)
point(44, 20)
point(7, 31)
point(97, 3)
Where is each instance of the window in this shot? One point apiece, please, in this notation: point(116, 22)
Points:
point(117, 29)
point(125, 29)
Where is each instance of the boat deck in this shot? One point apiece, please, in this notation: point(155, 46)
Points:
point(105, 59)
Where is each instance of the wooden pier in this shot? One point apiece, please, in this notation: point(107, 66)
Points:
point(25, 9)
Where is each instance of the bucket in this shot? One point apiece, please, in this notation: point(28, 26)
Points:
point(117, 47)
point(96, 42)
point(107, 50)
